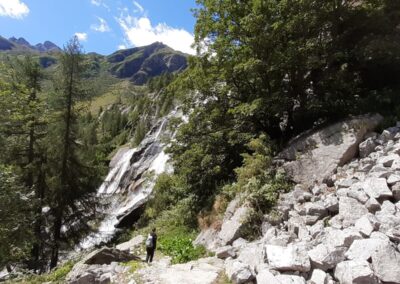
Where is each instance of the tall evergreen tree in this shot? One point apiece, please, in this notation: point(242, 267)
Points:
point(72, 181)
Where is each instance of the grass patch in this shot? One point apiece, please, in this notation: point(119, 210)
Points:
point(103, 101)
point(133, 265)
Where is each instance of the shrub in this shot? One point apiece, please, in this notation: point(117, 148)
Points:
point(180, 248)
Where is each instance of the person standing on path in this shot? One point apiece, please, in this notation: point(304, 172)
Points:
point(151, 244)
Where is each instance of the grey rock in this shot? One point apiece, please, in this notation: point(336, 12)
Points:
point(377, 188)
point(314, 157)
point(324, 257)
point(355, 272)
point(386, 263)
point(379, 235)
point(392, 179)
point(225, 252)
point(373, 205)
point(358, 194)
point(131, 244)
point(388, 208)
point(351, 210)
point(266, 277)
point(367, 224)
point(394, 234)
point(331, 203)
point(107, 255)
point(363, 249)
point(252, 254)
point(318, 277)
point(387, 161)
point(366, 147)
point(208, 238)
point(239, 243)
point(238, 272)
point(315, 209)
point(396, 191)
point(294, 257)
point(231, 228)
point(345, 183)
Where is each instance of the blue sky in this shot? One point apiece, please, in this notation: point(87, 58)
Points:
point(102, 26)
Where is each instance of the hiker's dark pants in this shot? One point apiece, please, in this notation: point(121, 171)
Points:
point(150, 254)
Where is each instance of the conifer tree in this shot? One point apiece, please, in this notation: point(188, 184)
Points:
point(72, 181)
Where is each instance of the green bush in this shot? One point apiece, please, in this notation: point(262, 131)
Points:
point(180, 248)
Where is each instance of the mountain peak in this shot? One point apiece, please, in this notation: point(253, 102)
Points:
point(20, 41)
point(22, 44)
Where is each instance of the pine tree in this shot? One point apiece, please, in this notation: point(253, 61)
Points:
point(72, 181)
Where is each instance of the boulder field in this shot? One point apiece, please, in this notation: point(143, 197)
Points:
point(339, 225)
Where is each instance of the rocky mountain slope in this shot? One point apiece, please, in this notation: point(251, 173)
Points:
point(141, 63)
point(343, 227)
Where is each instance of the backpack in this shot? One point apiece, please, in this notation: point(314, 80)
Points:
point(149, 241)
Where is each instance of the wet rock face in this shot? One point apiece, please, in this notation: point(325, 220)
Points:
point(129, 183)
point(348, 232)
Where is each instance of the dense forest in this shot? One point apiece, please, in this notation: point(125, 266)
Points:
point(265, 71)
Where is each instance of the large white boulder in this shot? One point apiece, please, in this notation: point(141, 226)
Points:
point(132, 244)
point(231, 228)
point(315, 156)
point(386, 263)
point(355, 272)
point(252, 254)
point(318, 277)
point(377, 188)
point(239, 272)
point(350, 210)
point(294, 257)
point(265, 276)
point(363, 249)
point(325, 258)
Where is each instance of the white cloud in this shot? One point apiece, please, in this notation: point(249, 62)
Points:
point(99, 3)
point(96, 2)
point(82, 36)
point(140, 8)
point(13, 8)
point(140, 31)
point(121, 46)
point(101, 27)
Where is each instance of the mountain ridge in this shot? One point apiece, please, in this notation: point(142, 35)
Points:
point(22, 45)
point(137, 64)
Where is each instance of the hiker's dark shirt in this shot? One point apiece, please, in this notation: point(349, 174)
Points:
point(154, 238)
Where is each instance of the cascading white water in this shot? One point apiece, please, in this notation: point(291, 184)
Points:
point(130, 181)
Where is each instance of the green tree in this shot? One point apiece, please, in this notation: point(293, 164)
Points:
point(277, 68)
point(15, 218)
point(72, 180)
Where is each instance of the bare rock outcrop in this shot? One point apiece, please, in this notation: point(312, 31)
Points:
point(315, 157)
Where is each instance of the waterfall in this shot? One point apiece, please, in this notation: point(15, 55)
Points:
point(130, 181)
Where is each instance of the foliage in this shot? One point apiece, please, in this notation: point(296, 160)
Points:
point(15, 218)
point(180, 248)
